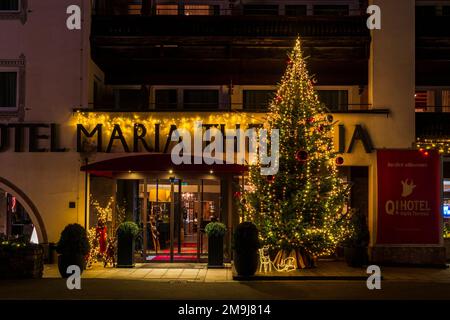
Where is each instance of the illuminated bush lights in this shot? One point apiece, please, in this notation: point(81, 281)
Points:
point(442, 145)
point(126, 121)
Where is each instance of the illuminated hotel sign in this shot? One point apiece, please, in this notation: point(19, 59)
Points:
point(103, 132)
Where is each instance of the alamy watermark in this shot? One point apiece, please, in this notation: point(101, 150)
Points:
point(74, 280)
point(374, 280)
point(227, 147)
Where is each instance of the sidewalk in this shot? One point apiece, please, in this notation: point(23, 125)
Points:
point(182, 272)
point(154, 271)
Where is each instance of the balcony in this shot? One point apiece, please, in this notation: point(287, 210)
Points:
point(433, 125)
point(224, 49)
point(433, 51)
point(229, 26)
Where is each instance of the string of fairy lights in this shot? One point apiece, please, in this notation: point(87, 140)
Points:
point(441, 145)
point(303, 205)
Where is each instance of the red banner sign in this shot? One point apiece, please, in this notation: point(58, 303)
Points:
point(409, 197)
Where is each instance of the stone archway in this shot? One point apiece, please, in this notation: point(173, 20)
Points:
point(29, 206)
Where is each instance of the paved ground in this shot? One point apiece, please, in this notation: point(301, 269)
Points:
point(198, 283)
point(200, 273)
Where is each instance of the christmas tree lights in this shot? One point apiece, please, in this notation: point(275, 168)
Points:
point(300, 211)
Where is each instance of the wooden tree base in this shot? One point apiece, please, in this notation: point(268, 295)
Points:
point(302, 259)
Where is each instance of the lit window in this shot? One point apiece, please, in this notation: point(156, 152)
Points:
point(198, 10)
point(8, 90)
point(167, 9)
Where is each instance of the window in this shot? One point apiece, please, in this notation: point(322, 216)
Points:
point(167, 9)
point(425, 11)
point(166, 99)
point(201, 99)
point(201, 10)
point(334, 100)
point(421, 99)
point(129, 99)
point(295, 10)
point(267, 10)
point(446, 10)
point(8, 90)
point(9, 5)
point(331, 10)
point(257, 99)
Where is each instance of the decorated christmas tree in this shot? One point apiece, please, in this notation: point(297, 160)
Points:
point(300, 211)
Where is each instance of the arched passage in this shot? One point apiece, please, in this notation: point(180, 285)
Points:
point(29, 207)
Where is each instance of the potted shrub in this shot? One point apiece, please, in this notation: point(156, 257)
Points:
point(356, 247)
point(73, 247)
point(245, 245)
point(21, 260)
point(126, 235)
point(215, 231)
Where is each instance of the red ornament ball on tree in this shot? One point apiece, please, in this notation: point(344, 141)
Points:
point(339, 161)
point(270, 179)
point(301, 156)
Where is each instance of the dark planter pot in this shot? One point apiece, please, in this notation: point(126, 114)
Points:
point(19, 263)
point(356, 256)
point(125, 252)
point(447, 248)
point(246, 262)
point(215, 251)
point(66, 260)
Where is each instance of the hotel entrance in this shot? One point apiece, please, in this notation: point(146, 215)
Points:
point(171, 204)
point(175, 212)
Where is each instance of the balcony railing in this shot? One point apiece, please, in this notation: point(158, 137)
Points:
point(221, 107)
point(433, 125)
point(217, 26)
point(433, 26)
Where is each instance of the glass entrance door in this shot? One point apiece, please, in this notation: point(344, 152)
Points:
point(177, 212)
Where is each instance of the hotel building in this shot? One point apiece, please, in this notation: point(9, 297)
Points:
point(136, 68)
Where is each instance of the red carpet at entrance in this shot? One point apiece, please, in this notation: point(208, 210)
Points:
point(176, 257)
point(188, 253)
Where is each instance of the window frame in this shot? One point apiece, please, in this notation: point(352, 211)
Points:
point(17, 72)
point(156, 105)
point(329, 13)
point(207, 107)
point(246, 90)
point(338, 89)
point(18, 66)
point(19, 14)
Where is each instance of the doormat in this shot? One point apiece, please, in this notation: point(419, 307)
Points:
point(180, 258)
point(174, 265)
